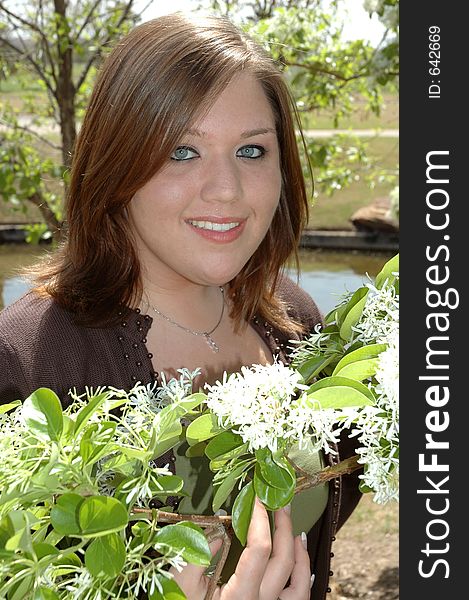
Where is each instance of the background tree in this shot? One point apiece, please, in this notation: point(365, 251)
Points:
point(60, 43)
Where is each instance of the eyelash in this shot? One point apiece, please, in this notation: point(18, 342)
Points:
point(261, 149)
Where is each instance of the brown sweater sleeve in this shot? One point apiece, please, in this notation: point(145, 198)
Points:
point(13, 384)
point(299, 304)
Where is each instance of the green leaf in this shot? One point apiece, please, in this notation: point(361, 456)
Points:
point(42, 549)
point(272, 497)
point(386, 273)
point(16, 531)
point(339, 392)
point(101, 515)
point(95, 442)
point(190, 402)
point(276, 473)
point(4, 408)
point(203, 428)
point(105, 556)
point(64, 515)
point(68, 430)
point(305, 458)
point(363, 354)
point(187, 538)
point(85, 413)
point(67, 564)
point(223, 490)
point(196, 450)
point(167, 485)
point(223, 444)
point(356, 304)
point(170, 590)
point(242, 512)
point(311, 367)
point(360, 364)
point(220, 462)
point(21, 590)
point(166, 425)
point(45, 593)
point(360, 370)
point(43, 414)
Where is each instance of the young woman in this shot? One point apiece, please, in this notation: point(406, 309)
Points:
point(185, 202)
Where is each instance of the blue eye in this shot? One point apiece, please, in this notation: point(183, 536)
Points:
point(253, 151)
point(183, 153)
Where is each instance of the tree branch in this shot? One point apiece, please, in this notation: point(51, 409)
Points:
point(31, 132)
point(23, 54)
point(47, 213)
point(319, 68)
point(86, 20)
point(168, 517)
point(345, 467)
point(220, 526)
point(95, 55)
point(42, 35)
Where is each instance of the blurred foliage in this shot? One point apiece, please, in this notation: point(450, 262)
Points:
point(51, 47)
point(56, 46)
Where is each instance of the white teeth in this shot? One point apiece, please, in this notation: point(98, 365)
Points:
point(211, 226)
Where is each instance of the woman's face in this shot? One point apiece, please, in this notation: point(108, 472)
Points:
point(203, 215)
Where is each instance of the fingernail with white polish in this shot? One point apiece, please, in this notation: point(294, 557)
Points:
point(304, 540)
point(287, 509)
point(312, 580)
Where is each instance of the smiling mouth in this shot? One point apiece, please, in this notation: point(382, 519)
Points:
point(211, 226)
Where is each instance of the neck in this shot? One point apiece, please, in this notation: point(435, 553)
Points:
point(192, 305)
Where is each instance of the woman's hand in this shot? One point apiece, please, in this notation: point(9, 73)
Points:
point(264, 567)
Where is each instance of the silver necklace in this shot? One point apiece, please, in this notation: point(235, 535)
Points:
point(206, 334)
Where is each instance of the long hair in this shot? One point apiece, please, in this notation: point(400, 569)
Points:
point(156, 81)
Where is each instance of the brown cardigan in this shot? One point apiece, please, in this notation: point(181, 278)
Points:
point(41, 347)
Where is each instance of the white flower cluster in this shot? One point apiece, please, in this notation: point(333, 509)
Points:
point(377, 427)
point(372, 5)
point(260, 404)
point(380, 317)
point(15, 473)
point(177, 389)
point(387, 14)
point(313, 424)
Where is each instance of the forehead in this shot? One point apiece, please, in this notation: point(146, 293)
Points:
point(242, 105)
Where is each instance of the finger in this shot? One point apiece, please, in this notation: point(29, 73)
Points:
point(246, 580)
point(192, 579)
point(300, 582)
point(282, 559)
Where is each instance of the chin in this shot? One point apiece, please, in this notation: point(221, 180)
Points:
point(220, 276)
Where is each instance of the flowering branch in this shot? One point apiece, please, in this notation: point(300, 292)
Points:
point(344, 467)
point(259, 430)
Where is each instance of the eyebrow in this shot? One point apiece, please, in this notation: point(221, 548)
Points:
point(245, 134)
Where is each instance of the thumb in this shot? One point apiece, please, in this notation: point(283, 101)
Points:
point(191, 579)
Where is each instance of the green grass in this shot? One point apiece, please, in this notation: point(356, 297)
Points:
point(334, 212)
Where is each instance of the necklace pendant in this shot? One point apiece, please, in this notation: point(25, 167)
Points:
point(211, 342)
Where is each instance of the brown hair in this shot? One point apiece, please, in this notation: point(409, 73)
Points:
point(154, 83)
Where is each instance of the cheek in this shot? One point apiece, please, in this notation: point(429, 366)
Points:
point(269, 195)
point(150, 207)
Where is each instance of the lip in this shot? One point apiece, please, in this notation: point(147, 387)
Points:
point(222, 237)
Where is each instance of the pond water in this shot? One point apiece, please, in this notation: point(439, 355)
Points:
point(325, 275)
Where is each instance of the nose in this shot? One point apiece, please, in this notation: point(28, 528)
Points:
point(221, 181)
